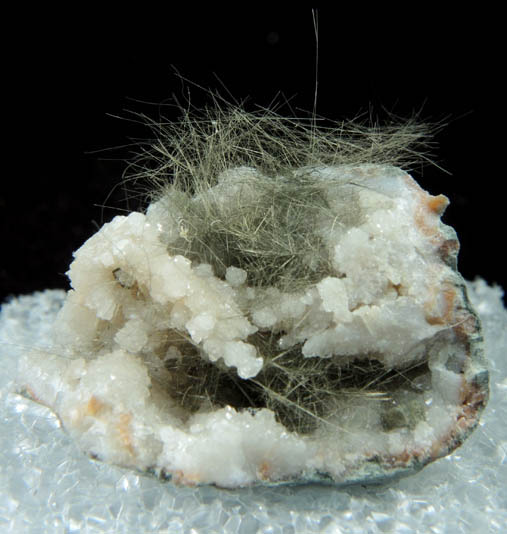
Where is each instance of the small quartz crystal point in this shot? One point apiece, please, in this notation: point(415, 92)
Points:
point(310, 326)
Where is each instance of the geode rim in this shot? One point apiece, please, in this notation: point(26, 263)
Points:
point(99, 425)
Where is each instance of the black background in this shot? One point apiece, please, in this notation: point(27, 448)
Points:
point(70, 74)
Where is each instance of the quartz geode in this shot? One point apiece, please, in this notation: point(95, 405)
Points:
point(357, 357)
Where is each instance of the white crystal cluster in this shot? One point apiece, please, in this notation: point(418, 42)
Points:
point(389, 295)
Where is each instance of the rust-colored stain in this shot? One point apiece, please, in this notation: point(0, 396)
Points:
point(124, 432)
point(400, 290)
point(466, 328)
point(437, 204)
point(449, 295)
point(264, 470)
point(472, 397)
point(94, 406)
point(179, 477)
point(420, 219)
point(427, 214)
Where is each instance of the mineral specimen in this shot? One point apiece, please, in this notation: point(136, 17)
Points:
point(269, 327)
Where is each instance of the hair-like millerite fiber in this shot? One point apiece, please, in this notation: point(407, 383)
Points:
point(273, 236)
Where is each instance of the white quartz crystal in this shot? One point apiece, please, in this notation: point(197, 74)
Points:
point(390, 298)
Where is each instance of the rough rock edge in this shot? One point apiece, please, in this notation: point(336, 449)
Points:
point(474, 393)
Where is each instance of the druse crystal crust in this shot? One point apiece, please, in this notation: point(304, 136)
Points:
point(369, 367)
